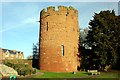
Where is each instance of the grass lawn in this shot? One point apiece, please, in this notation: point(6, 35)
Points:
point(61, 75)
point(111, 74)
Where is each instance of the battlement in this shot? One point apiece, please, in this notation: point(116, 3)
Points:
point(59, 38)
point(62, 10)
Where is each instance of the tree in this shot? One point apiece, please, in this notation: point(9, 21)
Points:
point(35, 59)
point(83, 34)
point(35, 51)
point(83, 49)
point(103, 39)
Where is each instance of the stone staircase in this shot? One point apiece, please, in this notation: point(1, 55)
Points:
point(7, 71)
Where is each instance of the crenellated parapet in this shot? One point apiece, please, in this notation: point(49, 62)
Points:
point(59, 38)
point(62, 10)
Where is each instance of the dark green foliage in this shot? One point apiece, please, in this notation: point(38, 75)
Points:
point(35, 56)
point(83, 34)
point(85, 61)
point(22, 69)
point(104, 39)
point(33, 71)
point(8, 64)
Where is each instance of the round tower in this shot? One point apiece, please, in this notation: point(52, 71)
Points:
point(59, 38)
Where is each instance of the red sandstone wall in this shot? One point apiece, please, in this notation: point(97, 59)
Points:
point(62, 30)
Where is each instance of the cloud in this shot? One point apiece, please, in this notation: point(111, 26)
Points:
point(28, 20)
point(10, 28)
point(19, 15)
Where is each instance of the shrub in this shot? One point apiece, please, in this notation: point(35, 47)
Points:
point(22, 69)
point(8, 64)
point(33, 71)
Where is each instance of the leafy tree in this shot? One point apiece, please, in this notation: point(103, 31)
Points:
point(103, 39)
point(83, 34)
point(35, 51)
point(35, 59)
point(83, 49)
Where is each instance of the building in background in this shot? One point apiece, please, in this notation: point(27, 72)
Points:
point(10, 54)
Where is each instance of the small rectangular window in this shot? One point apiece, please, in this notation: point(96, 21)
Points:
point(47, 26)
point(62, 50)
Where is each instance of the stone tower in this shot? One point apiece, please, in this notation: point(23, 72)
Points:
point(59, 38)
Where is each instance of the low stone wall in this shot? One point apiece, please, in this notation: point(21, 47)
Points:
point(7, 71)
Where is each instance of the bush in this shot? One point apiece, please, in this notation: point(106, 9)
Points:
point(33, 71)
point(26, 71)
point(8, 64)
point(22, 69)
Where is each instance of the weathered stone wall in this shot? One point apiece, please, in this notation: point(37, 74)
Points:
point(59, 34)
point(6, 71)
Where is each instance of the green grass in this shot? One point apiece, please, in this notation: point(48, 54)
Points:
point(77, 75)
point(109, 75)
point(61, 75)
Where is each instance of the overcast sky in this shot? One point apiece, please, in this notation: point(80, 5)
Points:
point(19, 27)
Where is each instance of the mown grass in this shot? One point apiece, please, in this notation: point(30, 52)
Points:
point(109, 75)
point(61, 75)
point(77, 75)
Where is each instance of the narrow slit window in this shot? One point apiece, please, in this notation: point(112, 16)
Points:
point(47, 26)
point(62, 50)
